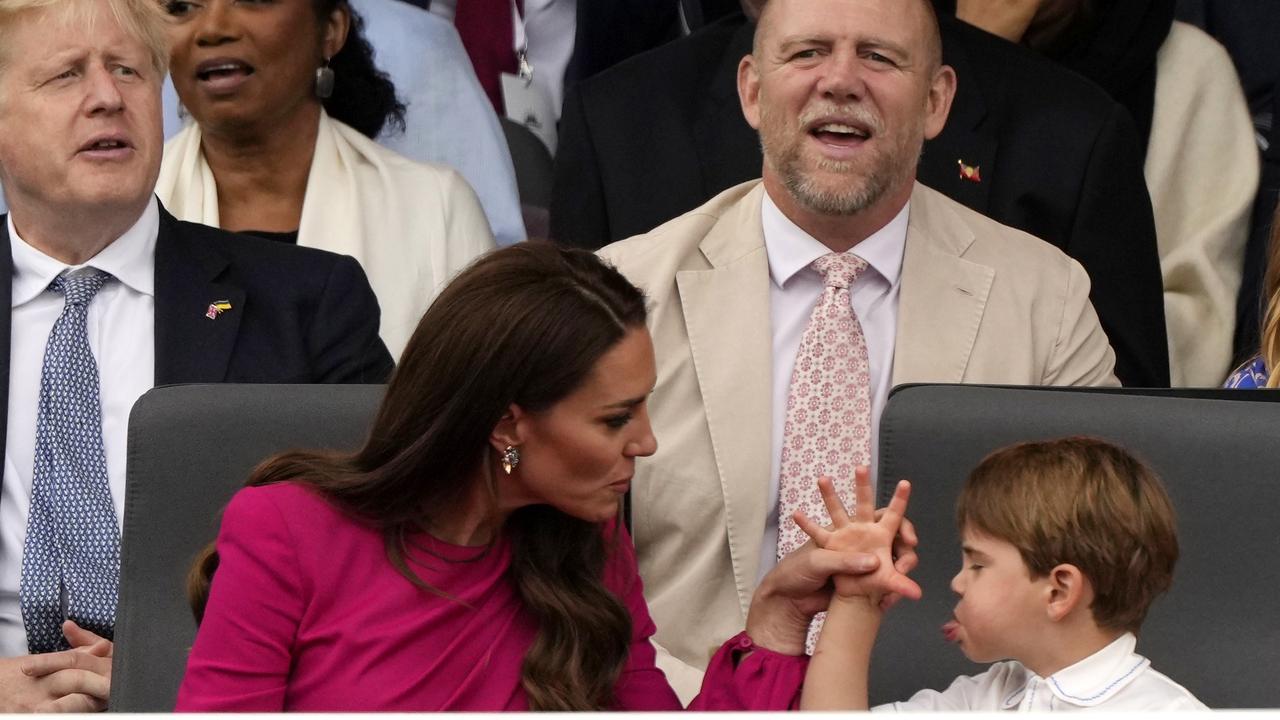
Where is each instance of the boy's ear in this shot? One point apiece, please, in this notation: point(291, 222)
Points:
point(1068, 589)
point(509, 432)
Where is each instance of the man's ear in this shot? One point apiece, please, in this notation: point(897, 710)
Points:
point(942, 90)
point(509, 432)
point(1068, 589)
point(749, 90)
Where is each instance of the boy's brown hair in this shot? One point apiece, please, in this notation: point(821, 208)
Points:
point(1084, 502)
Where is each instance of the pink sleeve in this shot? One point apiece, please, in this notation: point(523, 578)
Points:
point(242, 653)
point(740, 676)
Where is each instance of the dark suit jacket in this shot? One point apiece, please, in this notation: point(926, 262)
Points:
point(663, 132)
point(298, 315)
point(610, 31)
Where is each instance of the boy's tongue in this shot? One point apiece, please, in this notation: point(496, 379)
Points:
point(951, 631)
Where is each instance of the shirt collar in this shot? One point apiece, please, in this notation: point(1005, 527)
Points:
point(130, 258)
point(791, 249)
point(1097, 678)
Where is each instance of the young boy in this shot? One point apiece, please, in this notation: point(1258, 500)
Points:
point(1065, 545)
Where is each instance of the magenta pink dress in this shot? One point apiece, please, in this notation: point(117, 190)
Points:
point(307, 614)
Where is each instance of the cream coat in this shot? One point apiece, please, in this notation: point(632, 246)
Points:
point(1202, 170)
point(412, 226)
point(980, 303)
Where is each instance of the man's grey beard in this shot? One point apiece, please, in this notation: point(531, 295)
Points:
point(848, 200)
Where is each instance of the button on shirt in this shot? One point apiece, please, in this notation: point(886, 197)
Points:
point(1115, 678)
point(794, 290)
point(121, 322)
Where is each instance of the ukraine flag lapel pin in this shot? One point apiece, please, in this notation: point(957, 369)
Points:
point(216, 308)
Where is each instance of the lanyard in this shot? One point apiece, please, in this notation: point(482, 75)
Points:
point(522, 45)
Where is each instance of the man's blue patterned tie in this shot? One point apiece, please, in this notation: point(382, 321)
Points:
point(71, 559)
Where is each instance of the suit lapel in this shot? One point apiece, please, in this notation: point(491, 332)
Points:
point(943, 295)
point(728, 149)
point(726, 311)
point(6, 326)
point(966, 140)
point(190, 346)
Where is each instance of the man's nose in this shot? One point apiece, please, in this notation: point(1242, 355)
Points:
point(104, 92)
point(842, 79)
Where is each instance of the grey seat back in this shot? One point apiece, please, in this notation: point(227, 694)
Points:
point(1217, 632)
point(190, 448)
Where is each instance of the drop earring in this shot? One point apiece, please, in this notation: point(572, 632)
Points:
point(324, 81)
point(510, 459)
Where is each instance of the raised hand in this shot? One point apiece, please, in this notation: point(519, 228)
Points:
point(868, 532)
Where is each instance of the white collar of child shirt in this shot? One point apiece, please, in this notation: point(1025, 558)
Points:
point(1114, 679)
point(1093, 680)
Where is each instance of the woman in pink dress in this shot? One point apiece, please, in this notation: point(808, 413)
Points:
point(469, 557)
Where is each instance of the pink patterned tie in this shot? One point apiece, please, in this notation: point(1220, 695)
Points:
point(828, 426)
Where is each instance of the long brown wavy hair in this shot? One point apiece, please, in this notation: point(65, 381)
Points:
point(523, 325)
point(1271, 314)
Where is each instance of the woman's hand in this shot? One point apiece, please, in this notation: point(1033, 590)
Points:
point(798, 588)
point(867, 532)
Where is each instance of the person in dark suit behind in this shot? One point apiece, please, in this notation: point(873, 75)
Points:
point(663, 132)
point(110, 295)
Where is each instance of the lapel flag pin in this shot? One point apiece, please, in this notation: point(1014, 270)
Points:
point(216, 308)
point(972, 173)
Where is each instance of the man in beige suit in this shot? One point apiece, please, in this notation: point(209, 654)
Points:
point(843, 94)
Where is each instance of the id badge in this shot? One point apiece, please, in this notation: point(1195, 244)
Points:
point(529, 105)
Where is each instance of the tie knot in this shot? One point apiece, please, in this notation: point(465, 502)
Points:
point(839, 270)
point(80, 287)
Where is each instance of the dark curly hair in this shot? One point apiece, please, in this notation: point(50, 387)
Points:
point(363, 96)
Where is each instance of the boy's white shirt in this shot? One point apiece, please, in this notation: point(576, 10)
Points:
point(1114, 678)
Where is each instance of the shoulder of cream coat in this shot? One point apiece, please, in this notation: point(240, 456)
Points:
point(952, 228)
point(1202, 169)
point(652, 259)
point(1202, 136)
point(1029, 279)
point(466, 230)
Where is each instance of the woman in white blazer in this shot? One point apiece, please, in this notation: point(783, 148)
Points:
point(286, 100)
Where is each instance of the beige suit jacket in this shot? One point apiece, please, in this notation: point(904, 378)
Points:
point(979, 303)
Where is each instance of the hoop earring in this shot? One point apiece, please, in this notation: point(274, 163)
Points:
point(510, 459)
point(324, 81)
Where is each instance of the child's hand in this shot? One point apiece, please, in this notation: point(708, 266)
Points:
point(864, 533)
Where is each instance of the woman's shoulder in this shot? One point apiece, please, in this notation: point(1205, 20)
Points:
point(1249, 376)
point(391, 161)
point(291, 506)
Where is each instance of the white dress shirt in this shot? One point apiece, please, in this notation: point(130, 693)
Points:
point(794, 291)
point(1115, 679)
point(121, 330)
